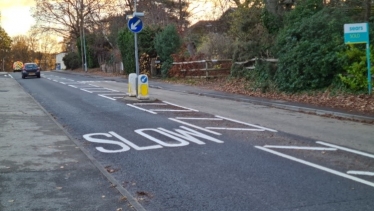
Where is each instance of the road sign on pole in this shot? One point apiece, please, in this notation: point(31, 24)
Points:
point(356, 33)
point(135, 24)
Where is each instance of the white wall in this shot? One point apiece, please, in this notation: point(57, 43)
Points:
point(59, 60)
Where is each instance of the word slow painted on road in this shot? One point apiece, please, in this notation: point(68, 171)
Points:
point(182, 137)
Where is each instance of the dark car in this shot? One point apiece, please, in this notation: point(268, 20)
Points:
point(30, 69)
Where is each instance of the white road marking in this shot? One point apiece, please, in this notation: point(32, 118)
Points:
point(62, 83)
point(317, 166)
point(149, 104)
point(86, 90)
point(228, 128)
point(171, 110)
point(10, 76)
point(73, 86)
point(365, 173)
point(179, 106)
point(244, 123)
point(55, 81)
point(302, 148)
point(346, 149)
point(191, 125)
point(195, 118)
point(107, 97)
point(141, 109)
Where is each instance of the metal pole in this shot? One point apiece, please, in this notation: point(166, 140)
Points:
point(84, 41)
point(136, 55)
point(368, 64)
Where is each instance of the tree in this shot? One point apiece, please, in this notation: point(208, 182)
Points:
point(66, 17)
point(167, 43)
point(5, 45)
point(20, 49)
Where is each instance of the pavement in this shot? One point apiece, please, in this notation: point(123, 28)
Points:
point(43, 168)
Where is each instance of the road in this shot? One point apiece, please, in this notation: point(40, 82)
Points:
point(188, 152)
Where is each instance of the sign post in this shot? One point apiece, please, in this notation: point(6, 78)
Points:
point(135, 25)
point(357, 33)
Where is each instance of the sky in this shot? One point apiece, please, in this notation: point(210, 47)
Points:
point(16, 17)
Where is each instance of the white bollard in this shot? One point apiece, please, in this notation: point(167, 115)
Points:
point(132, 85)
point(143, 87)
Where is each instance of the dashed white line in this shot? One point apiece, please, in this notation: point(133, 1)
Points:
point(171, 110)
point(317, 166)
point(302, 148)
point(346, 149)
point(149, 104)
point(73, 86)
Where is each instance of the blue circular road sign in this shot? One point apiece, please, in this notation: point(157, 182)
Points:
point(144, 79)
point(135, 24)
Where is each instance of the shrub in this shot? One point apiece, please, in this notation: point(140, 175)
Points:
point(126, 46)
point(307, 49)
point(72, 60)
point(167, 43)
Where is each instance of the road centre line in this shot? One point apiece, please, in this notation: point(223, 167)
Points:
point(191, 125)
point(228, 128)
point(302, 148)
point(346, 149)
point(179, 106)
point(55, 81)
point(194, 118)
point(364, 173)
point(317, 166)
point(73, 86)
point(62, 83)
point(244, 123)
point(141, 109)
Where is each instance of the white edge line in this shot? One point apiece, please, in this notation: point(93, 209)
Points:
point(193, 118)
point(86, 90)
point(346, 149)
point(142, 109)
point(191, 125)
point(317, 166)
point(180, 106)
point(365, 173)
point(227, 128)
point(244, 123)
point(298, 147)
point(107, 97)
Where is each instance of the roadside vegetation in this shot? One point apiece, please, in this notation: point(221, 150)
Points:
point(304, 37)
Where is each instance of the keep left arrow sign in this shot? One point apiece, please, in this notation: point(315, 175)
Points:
point(135, 24)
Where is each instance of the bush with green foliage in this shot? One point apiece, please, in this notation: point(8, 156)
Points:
point(307, 47)
point(72, 60)
point(355, 65)
point(167, 43)
point(126, 46)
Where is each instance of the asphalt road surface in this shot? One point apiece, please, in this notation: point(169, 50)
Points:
point(179, 151)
